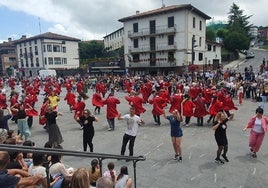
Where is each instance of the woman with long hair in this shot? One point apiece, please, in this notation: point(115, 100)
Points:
point(94, 172)
point(123, 180)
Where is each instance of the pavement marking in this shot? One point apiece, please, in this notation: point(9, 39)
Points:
point(254, 171)
point(190, 155)
point(193, 178)
point(215, 178)
point(202, 155)
point(154, 165)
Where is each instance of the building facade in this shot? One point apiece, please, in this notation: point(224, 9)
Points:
point(8, 58)
point(164, 40)
point(212, 56)
point(46, 51)
point(114, 40)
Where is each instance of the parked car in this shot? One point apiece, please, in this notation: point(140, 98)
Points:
point(250, 54)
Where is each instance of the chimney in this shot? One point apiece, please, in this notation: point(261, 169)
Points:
point(137, 11)
point(9, 39)
point(23, 37)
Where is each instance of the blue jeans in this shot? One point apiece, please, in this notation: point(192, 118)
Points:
point(263, 101)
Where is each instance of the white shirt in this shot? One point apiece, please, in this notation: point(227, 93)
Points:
point(132, 124)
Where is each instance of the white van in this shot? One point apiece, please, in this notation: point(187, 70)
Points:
point(45, 73)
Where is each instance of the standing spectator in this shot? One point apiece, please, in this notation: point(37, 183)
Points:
point(220, 127)
point(240, 93)
point(175, 133)
point(259, 126)
point(4, 118)
point(111, 173)
point(94, 172)
point(54, 134)
point(123, 180)
point(111, 111)
point(133, 122)
point(88, 129)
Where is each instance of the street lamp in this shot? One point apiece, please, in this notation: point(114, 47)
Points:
point(193, 56)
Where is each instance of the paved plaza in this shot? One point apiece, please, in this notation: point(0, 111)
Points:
point(197, 168)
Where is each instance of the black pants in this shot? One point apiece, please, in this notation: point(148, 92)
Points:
point(87, 140)
point(97, 109)
point(30, 121)
point(187, 119)
point(131, 139)
point(157, 119)
point(200, 121)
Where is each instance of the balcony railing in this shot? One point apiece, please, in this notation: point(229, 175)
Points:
point(158, 30)
point(158, 47)
point(158, 62)
point(49, 151)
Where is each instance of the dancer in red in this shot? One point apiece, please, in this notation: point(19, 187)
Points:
point(200, 110)
point(175, 101)
point(187, 109)
point(79, 107)
point(158, 105)
point(136, 101)
point(70, 98)
point(111, 112)
point(97, 102)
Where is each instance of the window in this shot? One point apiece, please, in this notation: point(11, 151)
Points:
point(214, 48)
point(37, 62)
point(63, 42)
point(64, 49)
point(136, 57)
point(170, 39)
point(200, 41)
point(200, 25)
point(45, 61)
point(152, 27)
point(49, 48)
point(135, 27)
point(209, 47)
point(193, 22)
point(50, 61)
point(21, 62)
point(136, 43)
point(56, 48)
point(30, 43)
point(200, 56)
point(64, 61)
point(170, 56)
point(152, 43)
point(35, 41)
point(44, 48)
point(57, 61)
point(171, 21)
point(36, 50)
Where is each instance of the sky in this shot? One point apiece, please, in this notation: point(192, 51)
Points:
point(93, 19)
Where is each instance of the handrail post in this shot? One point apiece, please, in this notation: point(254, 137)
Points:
point(134, 168)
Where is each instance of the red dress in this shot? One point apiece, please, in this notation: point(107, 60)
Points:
point(97, 100)
point(70, 98)
point(136, 102)
point(79, 107)
point(158, 105)
point(175, 102)
point(200, 110)
point(111, 103)
point(188, 108)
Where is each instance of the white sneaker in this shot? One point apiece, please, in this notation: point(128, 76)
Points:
point(186, 125)
point(109, 129)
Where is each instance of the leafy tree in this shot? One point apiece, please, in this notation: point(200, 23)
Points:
point(236, 41)
point(237, 21)
point(210, 34)
point(91, 50)
point(222, 33)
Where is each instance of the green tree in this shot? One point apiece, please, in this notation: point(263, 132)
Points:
point(222, 33)
point(236, 41)
point(91, 49)
point(237, 37)
point(210, 34)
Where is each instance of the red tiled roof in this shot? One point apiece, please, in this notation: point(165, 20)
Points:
point(166, 9)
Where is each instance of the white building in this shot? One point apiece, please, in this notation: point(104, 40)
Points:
point(114, 40)
point(212, 55)
point(46, 51)
point(161, 40)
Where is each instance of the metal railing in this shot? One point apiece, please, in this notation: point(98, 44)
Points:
point(49, 151)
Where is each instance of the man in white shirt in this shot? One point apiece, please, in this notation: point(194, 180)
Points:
point(133, 122)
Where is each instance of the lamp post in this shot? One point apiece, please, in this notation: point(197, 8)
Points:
point(193, 56)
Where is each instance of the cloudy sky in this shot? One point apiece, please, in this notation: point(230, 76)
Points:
point(93, 19)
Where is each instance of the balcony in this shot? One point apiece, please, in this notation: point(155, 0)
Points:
point(158, 30)
point(158, 62)
point(158, 47)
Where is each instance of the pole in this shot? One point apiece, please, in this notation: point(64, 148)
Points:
point(192, 62)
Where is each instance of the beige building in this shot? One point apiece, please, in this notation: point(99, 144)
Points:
point(46, 51)
point(212, 55)
point(114, 40)
point(8, 58)
point(164, 40)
